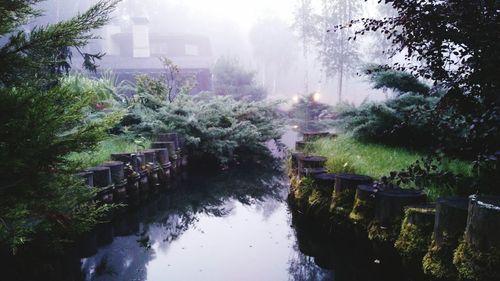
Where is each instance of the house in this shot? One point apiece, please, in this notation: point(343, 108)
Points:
point(133, 50)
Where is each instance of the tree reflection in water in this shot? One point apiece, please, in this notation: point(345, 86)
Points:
point(165, 218)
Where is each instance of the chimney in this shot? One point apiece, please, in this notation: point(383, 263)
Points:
point(140, 37)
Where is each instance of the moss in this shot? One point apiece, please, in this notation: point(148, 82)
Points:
point(438, 261)
point(383, 234)
point(477, 265)
point(413, 239)
point(362, 212)
point(342, 203)
point(302, 190)
point(318, 202)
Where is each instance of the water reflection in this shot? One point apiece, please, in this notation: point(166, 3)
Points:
point(231, 226)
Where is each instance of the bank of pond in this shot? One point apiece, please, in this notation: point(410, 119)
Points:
point(452, 238)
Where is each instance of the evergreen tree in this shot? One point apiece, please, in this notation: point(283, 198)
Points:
point(42, 121)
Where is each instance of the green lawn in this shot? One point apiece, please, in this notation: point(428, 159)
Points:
point(347, 155)
point(103, 151)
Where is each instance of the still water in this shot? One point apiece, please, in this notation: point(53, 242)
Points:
point(232, 226)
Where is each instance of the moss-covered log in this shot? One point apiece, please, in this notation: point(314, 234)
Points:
point(325, 183)
point(344, 192)
point(478, 255)
point(319, 199)
point(449, 226)
point(363, 210)
point(389, 212)
point(416, 231)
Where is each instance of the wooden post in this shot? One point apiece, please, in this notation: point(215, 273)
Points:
point(301, 145)
point(132, 175)
point(118, 178)
point(164, 173)
point(416, 232)
point(344, 192)
point(449, 226)
point(389, 212)
point(144, 181)
point(102, 180)
point(312, 136)
point(311, 164)
point(478, 255)
point(363, 209)
point(88, 176)
point(325, 183)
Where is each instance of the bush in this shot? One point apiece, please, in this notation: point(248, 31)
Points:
point(222, 128)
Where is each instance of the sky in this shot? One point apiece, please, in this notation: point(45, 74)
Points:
point(243, 12)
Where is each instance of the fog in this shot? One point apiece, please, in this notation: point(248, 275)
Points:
point(234, 29)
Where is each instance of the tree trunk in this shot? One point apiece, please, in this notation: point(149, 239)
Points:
point(341, 78)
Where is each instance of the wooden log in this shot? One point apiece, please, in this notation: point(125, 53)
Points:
point(389, 204)
point(118, 179)
point(301, 145)
point(325, 183)
point(363, 210)
point(389, 212)
point(449, 226)
point(164, 173)
point(169, 137)
point(309, 172)
point(129, 158)
point(174, 154)
point(144, 181)
point(101, 177)
point(344, 192)
point(478, 254)
point(294, 163)
point(153, 169)
point(88, 176)
point(483, 223)
point(415, 235)
point(150, 156)
point(311, 162)
point(132, 175)
point(312, 136)
point(117, 171)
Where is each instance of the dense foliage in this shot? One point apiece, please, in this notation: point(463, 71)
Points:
point(219, 127)
point(42, 121)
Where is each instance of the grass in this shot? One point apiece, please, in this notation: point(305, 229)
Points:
point(347, 155)
point(103, 151)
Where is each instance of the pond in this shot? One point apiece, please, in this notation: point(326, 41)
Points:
point(232, 226)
